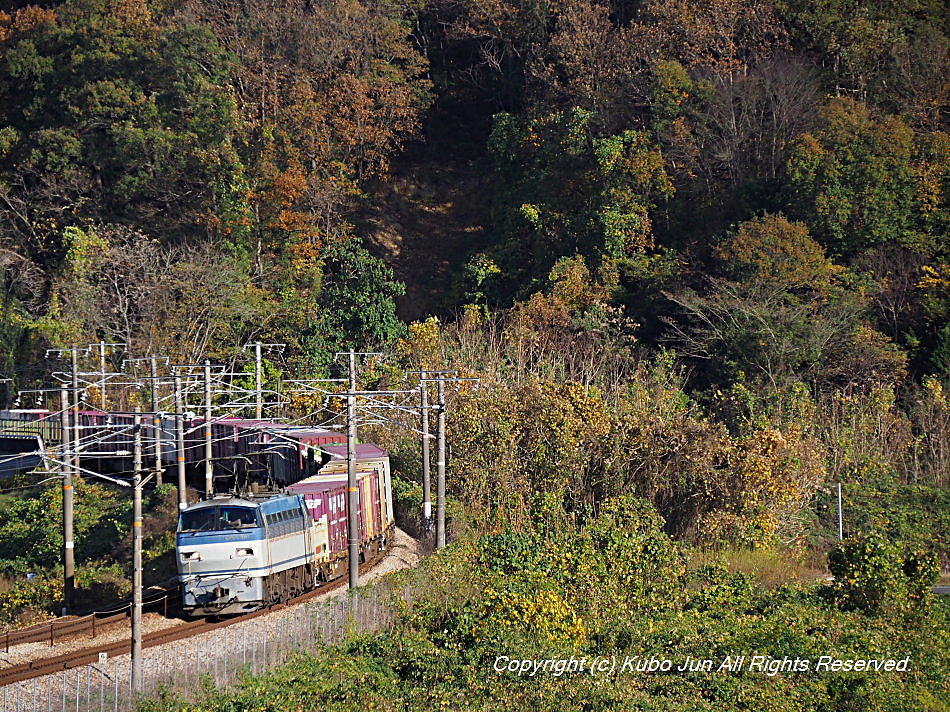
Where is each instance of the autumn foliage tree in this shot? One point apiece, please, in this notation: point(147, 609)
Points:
point(328, 93)
point(786, 317)
point(864, 181)
point(773, 250)
point(251, 127)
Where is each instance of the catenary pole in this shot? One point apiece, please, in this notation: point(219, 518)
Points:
point(137, 557)
point(69, 543)
point(156, 421)
point(258, 383)
point(69, 561)
point(180, 444)
point(352, 500)
point(153, 376)
point(209, 475)
point(76, 431)
point(440, 465)
point(426, 475)
point(102, 374)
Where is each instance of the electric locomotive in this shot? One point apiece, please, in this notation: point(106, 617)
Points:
point(238, 554)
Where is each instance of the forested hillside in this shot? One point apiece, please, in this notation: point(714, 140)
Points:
point(751, 194)
point(183, 177)
point(696, 252)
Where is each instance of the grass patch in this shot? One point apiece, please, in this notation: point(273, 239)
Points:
point(771, 568)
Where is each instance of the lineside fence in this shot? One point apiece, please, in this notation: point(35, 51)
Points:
point(91, 624)
point(58, 629)
point(221, 657)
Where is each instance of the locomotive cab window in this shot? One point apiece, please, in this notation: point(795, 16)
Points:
point(198, 520)
point(218, 518)
point(238, 517)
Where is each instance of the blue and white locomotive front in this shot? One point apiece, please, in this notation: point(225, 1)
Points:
point(223, 557)
point(236, 555)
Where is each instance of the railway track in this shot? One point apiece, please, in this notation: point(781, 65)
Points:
point(90, 654)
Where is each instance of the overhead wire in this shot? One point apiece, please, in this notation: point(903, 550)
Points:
point(98, 435)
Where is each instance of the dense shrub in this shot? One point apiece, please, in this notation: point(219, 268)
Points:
point(552, 592)
point(875, 574)
point(27, 601)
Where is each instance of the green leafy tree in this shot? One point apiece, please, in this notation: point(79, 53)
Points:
point(569, 192)
point(864, 181)
point(356, 306)
point(31, 534)
point(109, 115)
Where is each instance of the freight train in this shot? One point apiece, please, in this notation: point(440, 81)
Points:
point(237, 554)
point(242, 450)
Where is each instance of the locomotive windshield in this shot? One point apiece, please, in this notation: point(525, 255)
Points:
point(238, 517)
point(209, 519)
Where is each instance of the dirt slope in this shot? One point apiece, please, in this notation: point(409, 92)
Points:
point(425, 222)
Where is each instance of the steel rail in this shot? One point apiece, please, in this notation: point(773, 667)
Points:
point(90, 654)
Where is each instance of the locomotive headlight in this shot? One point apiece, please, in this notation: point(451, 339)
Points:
point(245, 552)
point(190, 556)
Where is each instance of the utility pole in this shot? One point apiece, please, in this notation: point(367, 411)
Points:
point(137, 557)
point(440, 378)
point(69, 560)
point(209, 475)
point(353, 500)
point(156, 421)
point(426, 477)
point(180, 445)
point(258, 388)
point(440, 464)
